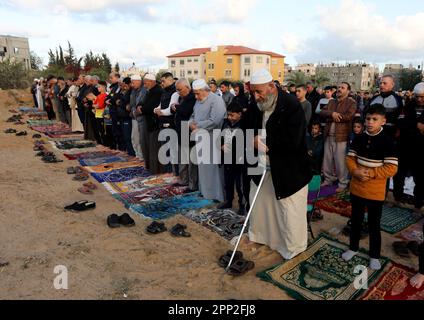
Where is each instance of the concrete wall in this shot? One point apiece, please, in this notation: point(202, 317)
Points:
point(15, 48)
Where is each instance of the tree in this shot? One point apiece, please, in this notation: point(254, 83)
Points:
point(409, 78)
point(14, 75)
point(297, 78)
point(36, 62)
point(320, 79)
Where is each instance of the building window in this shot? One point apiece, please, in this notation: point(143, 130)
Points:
point(211, 66)
point(182, 62)
point(189, 72)
point(228, 73)
point(172, 63)
point(247, 72)
point(182, 73)
point(188, 60)
point(196, 72)
point(196, 60)
point(279, 74)
point(247, 60)
point(267, 60)
point(16, 50)
point(229, 60)
point(259, 60)
point(274, 62)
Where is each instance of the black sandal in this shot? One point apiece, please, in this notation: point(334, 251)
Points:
point(156, 227)
point(126, 220)
point(225, 259)
point(36, 136)
point(113, 221)
point(71, 170)
point(22, 133)
point(240, 267)
point(401, 249)
point(10, 131)
point(81, 206)
point(179, 231)
point(414, 247)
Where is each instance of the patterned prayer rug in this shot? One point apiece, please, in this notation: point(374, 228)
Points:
point(150, 194)
point(103, 160)
point(396, 219)
point(41, 122)
point(226, 223)
point(90, 154)
point(320, 273)
point(395, 285)
point(138, 184)
point(74, 144)
point(413, 233)
point(120, 175)
point(58, 127)
point(334, 204)
point(113, 166)
point(166, 208)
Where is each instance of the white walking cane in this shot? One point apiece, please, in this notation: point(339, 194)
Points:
point(247, 220)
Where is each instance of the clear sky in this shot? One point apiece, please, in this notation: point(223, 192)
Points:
point(146, 31)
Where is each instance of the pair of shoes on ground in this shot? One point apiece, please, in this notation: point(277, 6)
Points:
point(179, 230)
point(403, 248)
point(36, 136)
point(50, 158)
point(10, 130)
point(87, 188)
point(83, 176)
point(228, 205)
point(115, 221)
point(239, 266)
point(74, 170)
point(82, 205)
point(21, 133)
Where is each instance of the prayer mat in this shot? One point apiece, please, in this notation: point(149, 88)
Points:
point(27, 110)
point(320, 273)
point(90, 155)
point(58, 127)
point(74, 144)
point(166, 208)
point(150, 194)
point(325, 192)
point(113, 166)
point(395, 285)
point(226, 223)
point(334, 204)
point(120, 175)
point(413, 233)
point(41, 122)
point(57, 135)
point(103, 160)
point(396, 219)
point(140, 183)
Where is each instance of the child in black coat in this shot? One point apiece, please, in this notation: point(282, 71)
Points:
point(234, 156)
point(315, 143)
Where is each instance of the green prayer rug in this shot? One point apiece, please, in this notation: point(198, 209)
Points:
point(320, 273)
point(396, 219)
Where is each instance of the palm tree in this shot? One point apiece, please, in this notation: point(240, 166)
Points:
point(297, 78)
point(320, 79)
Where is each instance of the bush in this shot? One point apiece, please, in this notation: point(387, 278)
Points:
point(13, 75)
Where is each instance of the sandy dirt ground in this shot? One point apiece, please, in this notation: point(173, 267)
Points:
point(36, 235)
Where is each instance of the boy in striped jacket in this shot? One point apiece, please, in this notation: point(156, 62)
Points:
point(371, 160)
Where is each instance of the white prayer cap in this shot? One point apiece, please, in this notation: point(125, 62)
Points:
point(200, 84)
point(36, 80)
point(135, 77)
point(262, 76)
point(149, 76)
point(419, 88)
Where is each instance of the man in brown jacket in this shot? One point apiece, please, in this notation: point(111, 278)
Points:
point(339, 114)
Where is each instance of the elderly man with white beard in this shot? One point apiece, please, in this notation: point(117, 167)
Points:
point(209, 112)
point(278, 217)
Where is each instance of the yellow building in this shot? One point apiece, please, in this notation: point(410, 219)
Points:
point(236, 63)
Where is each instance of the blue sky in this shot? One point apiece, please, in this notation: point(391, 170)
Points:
point(145, 31)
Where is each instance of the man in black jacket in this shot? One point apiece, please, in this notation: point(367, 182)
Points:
point(279, 213)
point(117, 141)
point(149, 125)
point(123, 111)
point(183, 110)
